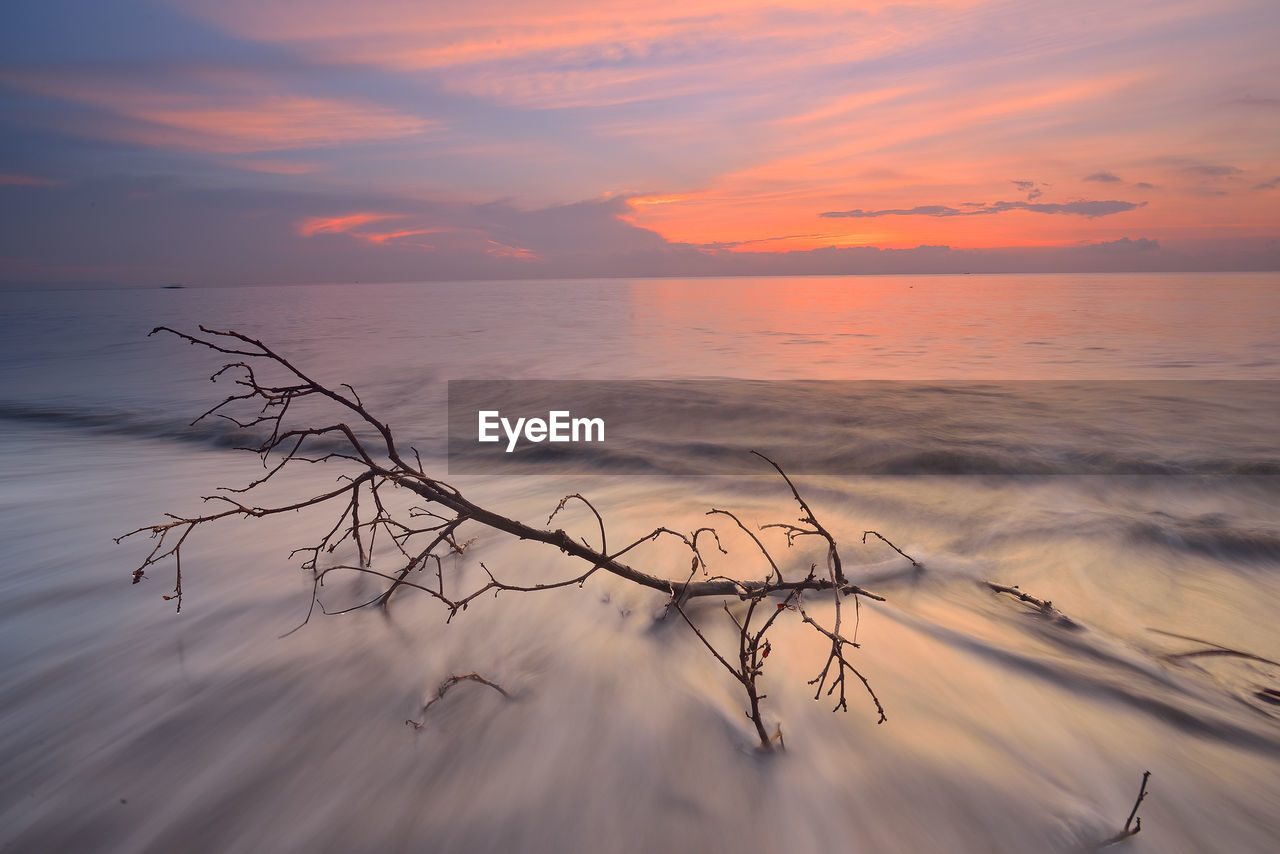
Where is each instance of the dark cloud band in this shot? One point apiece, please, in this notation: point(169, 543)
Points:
point(1090, 209)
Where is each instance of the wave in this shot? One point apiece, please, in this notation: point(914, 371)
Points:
point(1090, 664)
point(832, 451)
point(834, 455)
point(212, 432)
point(1211, 535)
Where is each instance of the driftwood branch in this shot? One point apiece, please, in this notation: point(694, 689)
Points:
point(298, 419)
point(1044, 606)
point(1133, 824)
point(444, 689)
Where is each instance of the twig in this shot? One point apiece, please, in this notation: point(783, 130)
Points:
point(1215, 649)
point(885, 540)
point(444, 689)
point(1043, 605)
point(1133, 824)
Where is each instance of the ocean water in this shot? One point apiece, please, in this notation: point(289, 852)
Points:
point(1149, 517)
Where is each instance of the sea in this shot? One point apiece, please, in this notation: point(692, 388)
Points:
point(1105, 443)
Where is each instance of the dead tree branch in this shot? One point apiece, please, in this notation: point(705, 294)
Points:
point(301, 420)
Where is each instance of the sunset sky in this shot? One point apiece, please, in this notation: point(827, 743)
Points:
point(248, 141)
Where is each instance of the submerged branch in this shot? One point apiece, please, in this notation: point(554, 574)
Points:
point(1212, 649)
point(1044, 606)
point(444, 689)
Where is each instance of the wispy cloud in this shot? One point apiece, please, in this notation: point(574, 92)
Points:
point(380, 237)
point(763, 241)
point(214, 113)
point(276, 167)
point(313, 225)
point(1125, 245)
point(1103, 177)
point(10, 179)
point(503, 250)
point(1211, 170)
point(1268, 185)
point(1090, 209)
point(1029, 187)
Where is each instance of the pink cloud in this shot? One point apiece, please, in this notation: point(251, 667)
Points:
point(502, 250)
point(311, 226)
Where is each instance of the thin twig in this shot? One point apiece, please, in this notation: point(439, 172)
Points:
point(885, 539)
point(1133, 824)
point(449, 683)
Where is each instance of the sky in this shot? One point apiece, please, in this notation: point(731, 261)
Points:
point(260, 141)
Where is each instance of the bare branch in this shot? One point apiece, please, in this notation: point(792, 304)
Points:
point(772, 563)
point(444, 689)
point(1133, 824)
point(883, 539)
point(833, 553)
point(397, 548)
point(1043, 605)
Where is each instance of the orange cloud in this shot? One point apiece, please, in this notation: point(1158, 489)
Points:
point(383, 237)
point(364, 226)
point(311, 226)
point(844, 152)
point(641, 201)
point(502, 250)
point(564, 53)
point(740, 120)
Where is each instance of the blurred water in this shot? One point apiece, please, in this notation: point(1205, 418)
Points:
point(129, 728)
